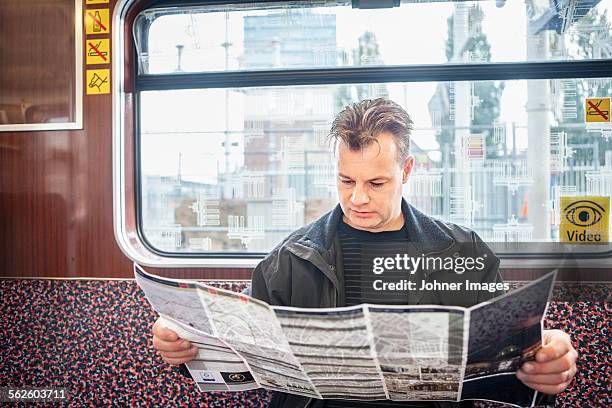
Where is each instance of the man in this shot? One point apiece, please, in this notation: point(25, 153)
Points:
point(319, 264)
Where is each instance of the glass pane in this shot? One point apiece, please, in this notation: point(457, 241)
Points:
point(336, 35)
point(38, 81)
point(237, 170)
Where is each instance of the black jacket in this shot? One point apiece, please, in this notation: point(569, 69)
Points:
point(306, 270)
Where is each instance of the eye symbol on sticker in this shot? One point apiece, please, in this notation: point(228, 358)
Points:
point(237, 377)
point(584, 213)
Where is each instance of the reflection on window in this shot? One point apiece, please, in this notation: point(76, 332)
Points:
point(236, 170)
point(200, 39)
point(239, 176)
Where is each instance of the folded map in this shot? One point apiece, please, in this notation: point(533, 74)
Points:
point(364, 352)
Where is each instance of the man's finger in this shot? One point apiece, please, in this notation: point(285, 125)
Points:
point(548, 389)
point(552, 367)
point(177, 361)
point(547, 379)
point(172, 346)
point(191, 353)
point(163, 332)
point(556, 344)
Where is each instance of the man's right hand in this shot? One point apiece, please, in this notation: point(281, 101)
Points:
point(170, 346)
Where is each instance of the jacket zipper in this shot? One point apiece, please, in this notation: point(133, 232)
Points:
point(335, 292)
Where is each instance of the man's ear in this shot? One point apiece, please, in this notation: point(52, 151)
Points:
point(407, 170)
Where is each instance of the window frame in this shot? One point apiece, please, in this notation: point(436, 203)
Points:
point(127, 84)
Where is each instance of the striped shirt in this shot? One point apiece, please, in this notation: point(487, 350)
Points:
point(358, 277)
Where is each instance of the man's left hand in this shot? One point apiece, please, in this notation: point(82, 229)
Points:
point(554, 367)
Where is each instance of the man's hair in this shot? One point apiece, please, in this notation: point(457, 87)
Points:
point(359, 124)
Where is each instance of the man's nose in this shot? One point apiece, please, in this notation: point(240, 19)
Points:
point(359, 196)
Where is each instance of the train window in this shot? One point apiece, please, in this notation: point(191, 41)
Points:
point(334, 34)
point(235, 103)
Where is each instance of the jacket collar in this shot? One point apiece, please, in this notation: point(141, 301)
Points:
point(321, 234)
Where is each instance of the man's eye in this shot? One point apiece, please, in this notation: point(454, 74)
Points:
point(377, 184)
point(347, 182)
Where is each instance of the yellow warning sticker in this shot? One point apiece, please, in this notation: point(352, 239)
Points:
point(597, 110)
point(585, 220)
point(97, 21)
point(96, 1)
point(98, 81)
point(98, 51)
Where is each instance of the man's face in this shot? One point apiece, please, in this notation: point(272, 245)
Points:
point(370, 185)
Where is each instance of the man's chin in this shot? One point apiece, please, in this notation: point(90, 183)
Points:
point(364, 224)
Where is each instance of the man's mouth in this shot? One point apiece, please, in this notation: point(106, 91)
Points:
point(362, 213)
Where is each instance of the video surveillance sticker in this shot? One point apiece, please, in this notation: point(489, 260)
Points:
point(585, 220)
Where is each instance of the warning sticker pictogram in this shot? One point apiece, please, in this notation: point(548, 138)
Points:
point(97, 21)
point(98, 81)
point(98, 51)
point(597, 109)
point(584, 219)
